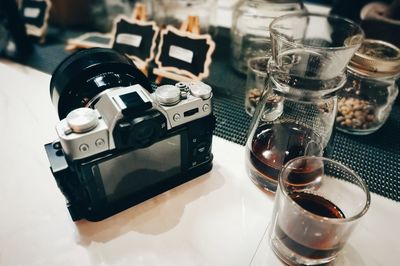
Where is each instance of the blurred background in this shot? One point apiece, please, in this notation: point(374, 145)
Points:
point(380, 20)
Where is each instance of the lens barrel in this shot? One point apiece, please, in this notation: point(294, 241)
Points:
point(85, 74)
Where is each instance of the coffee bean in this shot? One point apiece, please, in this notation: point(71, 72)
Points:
point(355, 113)
point(356, 122)
point(358, 114)
point(370, 118)
point(339, 119)
point(254, 96)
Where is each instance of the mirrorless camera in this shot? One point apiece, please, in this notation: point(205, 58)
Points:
point(122, 140)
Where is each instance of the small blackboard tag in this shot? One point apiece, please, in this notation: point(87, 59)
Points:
point(90, 40)
point(35, 14)
point(185, 53)
point(137, 39)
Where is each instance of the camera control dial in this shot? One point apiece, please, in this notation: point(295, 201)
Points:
point(200, 90)
point(168, 95)
point(183, 86)
point(82, 120)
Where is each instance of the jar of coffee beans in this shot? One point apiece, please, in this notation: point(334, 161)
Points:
point(365, 101)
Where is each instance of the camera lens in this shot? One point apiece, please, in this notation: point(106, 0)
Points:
point(87, 73)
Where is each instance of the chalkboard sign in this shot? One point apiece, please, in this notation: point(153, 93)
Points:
point(136, 39)
point(185, 53)
point(35, 14)
point(91, 40)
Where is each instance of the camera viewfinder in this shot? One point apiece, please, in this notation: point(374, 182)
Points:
point(134, 104)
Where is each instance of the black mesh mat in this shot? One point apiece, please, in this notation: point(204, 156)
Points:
point(375, 157)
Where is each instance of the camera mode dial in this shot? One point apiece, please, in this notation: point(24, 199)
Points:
point(82, 120)
point(200, 90)
point(168, 95)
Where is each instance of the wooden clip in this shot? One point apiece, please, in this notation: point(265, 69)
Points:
point(192, 24)
point(139, 12)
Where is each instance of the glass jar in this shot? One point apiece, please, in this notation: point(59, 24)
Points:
point(296, 114)
point(366, 99)
point(249, 32)
point(257, 75)
point(176, 12)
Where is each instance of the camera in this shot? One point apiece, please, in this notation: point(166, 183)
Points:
point(123, 140)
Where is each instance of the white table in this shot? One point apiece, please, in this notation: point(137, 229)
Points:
point(217, 219)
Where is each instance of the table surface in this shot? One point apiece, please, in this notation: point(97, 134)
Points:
point(219, 218)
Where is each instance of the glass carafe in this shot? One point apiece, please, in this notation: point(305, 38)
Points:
point(297, 112)
point(249, 32)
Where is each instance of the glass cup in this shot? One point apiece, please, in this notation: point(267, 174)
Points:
point(318, 204)
point(255, 83)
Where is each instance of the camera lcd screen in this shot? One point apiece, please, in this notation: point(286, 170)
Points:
point(133, 171)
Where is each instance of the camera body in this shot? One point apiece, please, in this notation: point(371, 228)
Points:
point(128, 144)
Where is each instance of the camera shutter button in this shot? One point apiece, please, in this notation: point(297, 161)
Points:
point(168, 95)
point(82, 120)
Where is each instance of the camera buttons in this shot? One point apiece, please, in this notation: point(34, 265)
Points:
point(206, 107)
point(184, 94)
point(177, 117)
point(100, 143)
point(201, 149)
point(56, 145)
point(82, 120)
point(183, 86)
point(84, 147)
point(168, 95)
point(201, 90)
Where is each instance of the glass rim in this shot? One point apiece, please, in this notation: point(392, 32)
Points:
point(319, 217)
point(370, 76)
point(277, 34)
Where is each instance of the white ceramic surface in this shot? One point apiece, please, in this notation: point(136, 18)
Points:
point(217, 219)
